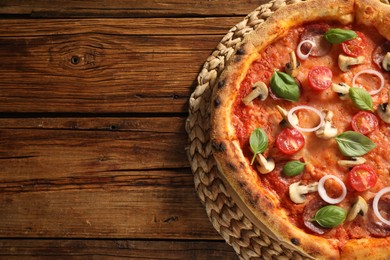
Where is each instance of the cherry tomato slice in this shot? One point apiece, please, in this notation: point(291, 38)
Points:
point(320, 78)
point(362, 177)
point(364, 122)
point(290, 141)
point(355, 47)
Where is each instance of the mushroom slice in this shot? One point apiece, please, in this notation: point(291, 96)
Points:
point(359, 207)
point(384, 110)
point(283, 112)
point(297, 191)
point(259, 89)
point(265, 165)
point(341, 89)
point(293, 65)
point(345, 62)
point(327, 130)
point(386, 62)
point(350, 163)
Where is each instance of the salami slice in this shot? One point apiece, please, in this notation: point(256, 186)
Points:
point(380, 52)
point(308, 214)
point(374, 225)
point(315, 33)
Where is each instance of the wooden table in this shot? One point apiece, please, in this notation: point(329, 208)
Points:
point(93, 102)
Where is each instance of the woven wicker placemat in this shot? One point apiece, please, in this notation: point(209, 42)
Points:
point(248, 241)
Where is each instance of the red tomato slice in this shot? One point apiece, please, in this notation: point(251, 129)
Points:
point(290, 141)
point(320, 78)
point(364, 122)
point(355, 47)
point(362, 177)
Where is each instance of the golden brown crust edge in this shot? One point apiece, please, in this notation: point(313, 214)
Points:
point(373, 249)
point(259, 203)
point(374, 13)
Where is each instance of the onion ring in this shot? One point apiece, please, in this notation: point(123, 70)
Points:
point(324, 195)
point(307, 130)
point(299, 51)
point(371, 72)
point(375, 205)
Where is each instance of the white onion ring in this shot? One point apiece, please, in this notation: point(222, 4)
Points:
point(307, 130)
point(299, 52)
point(375, 205)
point(324, 195)
point(371, 72)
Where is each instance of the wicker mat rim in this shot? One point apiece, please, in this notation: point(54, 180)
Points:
point(248, 241)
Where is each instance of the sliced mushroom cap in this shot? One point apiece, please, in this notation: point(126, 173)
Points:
point(264, 165)
point(259, 90)
point(341, 89)
point(384, 110)
point(386, 62)
point(283, 112)
point(327, 131)
point(297, 192)
point(353, 162)
point(345, 62)
point(359, 207)
point(293, 65)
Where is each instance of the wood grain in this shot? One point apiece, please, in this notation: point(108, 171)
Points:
point(108, 67)
point(93, 102)
point(128, 8)
point(112, 249)
point(98, 177)
point(73, 147)
point(125, 205)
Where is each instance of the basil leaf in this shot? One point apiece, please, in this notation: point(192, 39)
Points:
point(352, 144)
point(258, 142)
point(361, 98)
point(284, 86)
point(293, 168)
point(330, 216)
point(336, 36)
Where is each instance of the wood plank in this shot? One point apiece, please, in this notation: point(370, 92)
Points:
point(72, 147)
point(126, 26)
point(98, 178)
point(141, 205)
point(90, 70)
point(128, 8)
point(112, 249)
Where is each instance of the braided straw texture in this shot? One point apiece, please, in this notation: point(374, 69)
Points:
point(248, 241)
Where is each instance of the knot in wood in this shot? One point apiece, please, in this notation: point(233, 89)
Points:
point(78, 55)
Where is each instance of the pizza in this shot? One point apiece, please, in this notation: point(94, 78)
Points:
point(300, 128)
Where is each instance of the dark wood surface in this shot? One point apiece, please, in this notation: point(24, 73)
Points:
point(93, 102)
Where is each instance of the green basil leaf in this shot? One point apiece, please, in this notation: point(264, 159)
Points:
point(293, 168)
point(361, 98)
point(258, 142)
point(336, 36)
point(284, 86)
point(330, 216)
point(352, 144)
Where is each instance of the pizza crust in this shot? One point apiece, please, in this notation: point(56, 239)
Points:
point(259, 204)
point(374, 13)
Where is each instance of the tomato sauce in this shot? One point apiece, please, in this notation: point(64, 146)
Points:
point(320, 155)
